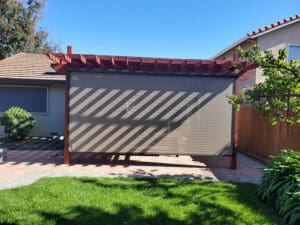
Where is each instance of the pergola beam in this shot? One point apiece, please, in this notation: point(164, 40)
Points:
point(155, 64)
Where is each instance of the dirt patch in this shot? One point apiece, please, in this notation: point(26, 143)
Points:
point(34, 143)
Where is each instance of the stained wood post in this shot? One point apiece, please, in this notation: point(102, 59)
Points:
point(127, 157)
point(233, 158)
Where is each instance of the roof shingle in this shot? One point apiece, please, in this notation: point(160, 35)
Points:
point(29, 66)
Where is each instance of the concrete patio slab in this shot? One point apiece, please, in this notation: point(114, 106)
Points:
point(25, 167)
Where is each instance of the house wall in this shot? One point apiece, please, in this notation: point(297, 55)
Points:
point(250, 81)
point(247, 45)
point(53, 120)
point(276, 40)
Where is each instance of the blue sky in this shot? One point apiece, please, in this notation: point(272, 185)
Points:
point(159, 28)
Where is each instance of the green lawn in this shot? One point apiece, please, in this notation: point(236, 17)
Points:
point(124, 201)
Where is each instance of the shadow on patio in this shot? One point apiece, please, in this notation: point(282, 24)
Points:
point(196, 167)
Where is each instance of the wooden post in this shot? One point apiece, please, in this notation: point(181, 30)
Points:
point(127, 157)
point(233, 158)
point(67, 154)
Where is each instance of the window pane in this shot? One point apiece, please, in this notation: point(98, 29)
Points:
point(294, 52)
point(32, 99)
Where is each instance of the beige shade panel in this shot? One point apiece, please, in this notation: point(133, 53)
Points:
point(150, 114)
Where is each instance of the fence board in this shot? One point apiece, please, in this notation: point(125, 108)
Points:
point(260, 140)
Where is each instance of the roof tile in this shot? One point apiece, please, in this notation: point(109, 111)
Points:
point(273, 25)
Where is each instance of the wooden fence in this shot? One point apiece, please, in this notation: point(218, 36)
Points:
point(257, 138)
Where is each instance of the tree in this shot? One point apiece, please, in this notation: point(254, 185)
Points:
point(278, 96)
point(18, 33)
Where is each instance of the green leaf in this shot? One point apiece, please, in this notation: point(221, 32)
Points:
point(278, 96)
point(272, 121)
point(280, 185)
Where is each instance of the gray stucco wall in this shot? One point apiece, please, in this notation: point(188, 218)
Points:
point(53, 120)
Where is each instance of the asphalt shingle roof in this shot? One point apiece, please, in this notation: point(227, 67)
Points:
point(29, 66)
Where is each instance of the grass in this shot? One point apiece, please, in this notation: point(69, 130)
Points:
point(128, 201)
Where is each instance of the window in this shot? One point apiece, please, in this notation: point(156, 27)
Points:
point(294, 52)
point(32, 99)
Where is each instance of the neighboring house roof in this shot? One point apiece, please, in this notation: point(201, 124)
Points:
point(145, 64)
point(261, 31)
point(29, 66)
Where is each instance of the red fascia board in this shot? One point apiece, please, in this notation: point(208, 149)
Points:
point(64, 61)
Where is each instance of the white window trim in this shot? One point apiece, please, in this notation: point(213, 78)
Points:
point(33, 86)
point(288, 50)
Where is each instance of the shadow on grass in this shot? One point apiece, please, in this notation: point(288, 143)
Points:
point(207, 211)
point(132, 214)
point(7, 223)
point(188, 202)
point(204, 196)
point(125, 214)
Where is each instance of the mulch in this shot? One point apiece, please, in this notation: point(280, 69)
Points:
point(34, 143)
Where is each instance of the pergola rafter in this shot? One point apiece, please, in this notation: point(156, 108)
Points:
point(149, 64)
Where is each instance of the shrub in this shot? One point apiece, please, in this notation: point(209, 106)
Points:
point(280, 186)
point(17, 123)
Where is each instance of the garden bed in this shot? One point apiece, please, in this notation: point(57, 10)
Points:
point(34, 143)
